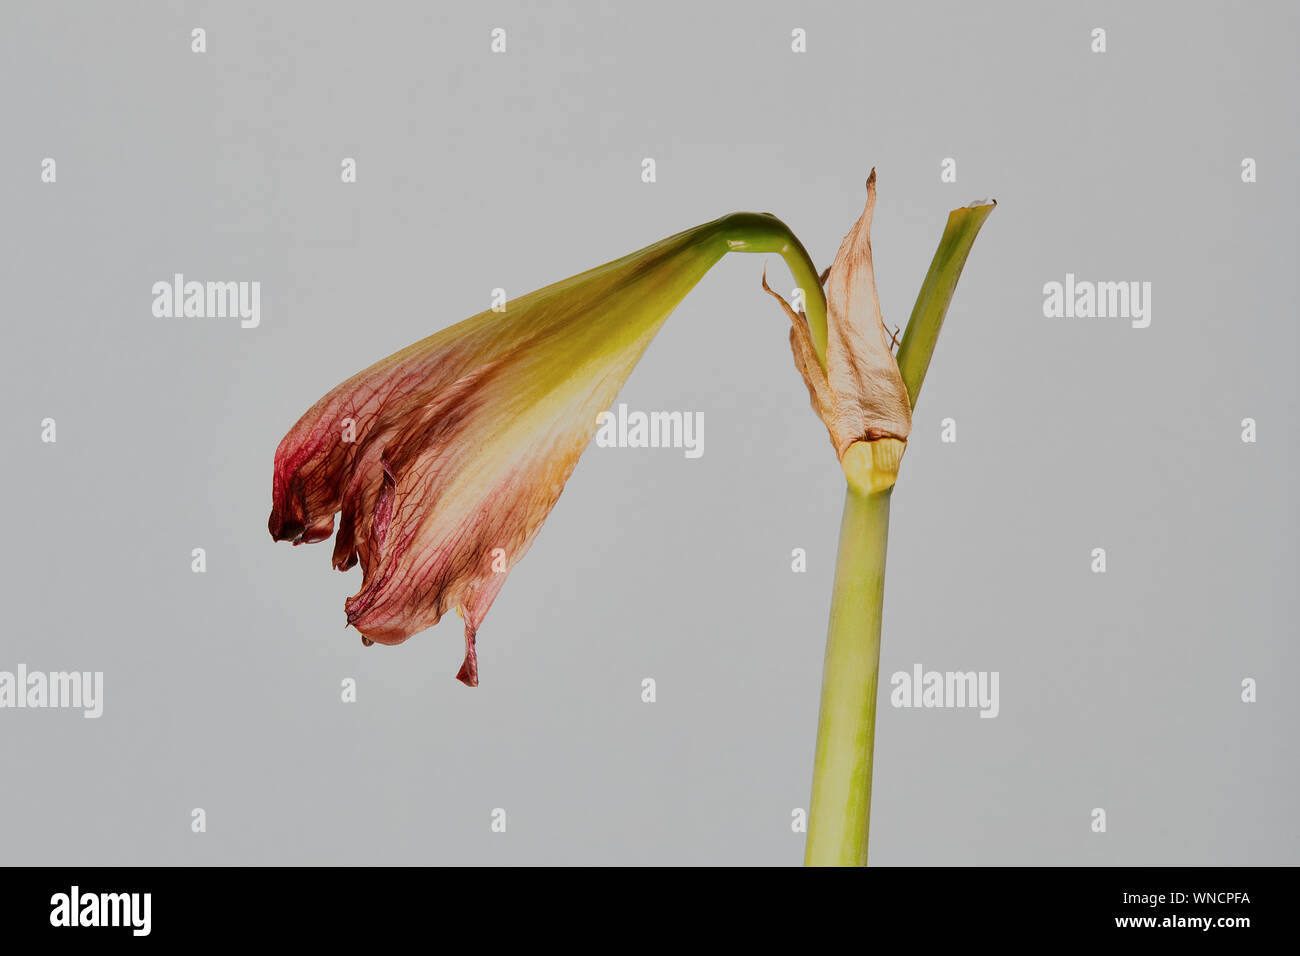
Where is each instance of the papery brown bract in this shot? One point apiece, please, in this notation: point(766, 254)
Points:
point(859, 394)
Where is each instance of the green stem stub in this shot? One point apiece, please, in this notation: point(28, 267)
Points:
point(917, 347)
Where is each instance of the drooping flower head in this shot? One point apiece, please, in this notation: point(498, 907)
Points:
point(444, 459)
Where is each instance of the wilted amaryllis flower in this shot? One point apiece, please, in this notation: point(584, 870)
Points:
point(445, 458)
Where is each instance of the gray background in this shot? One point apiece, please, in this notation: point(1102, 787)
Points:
point(222, 690)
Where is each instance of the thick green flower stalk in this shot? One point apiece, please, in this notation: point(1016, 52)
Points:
point(865, 399)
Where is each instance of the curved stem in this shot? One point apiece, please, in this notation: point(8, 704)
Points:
point(763, 232)
point(664, 272)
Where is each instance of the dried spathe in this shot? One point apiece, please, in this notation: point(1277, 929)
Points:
point(858, 393)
